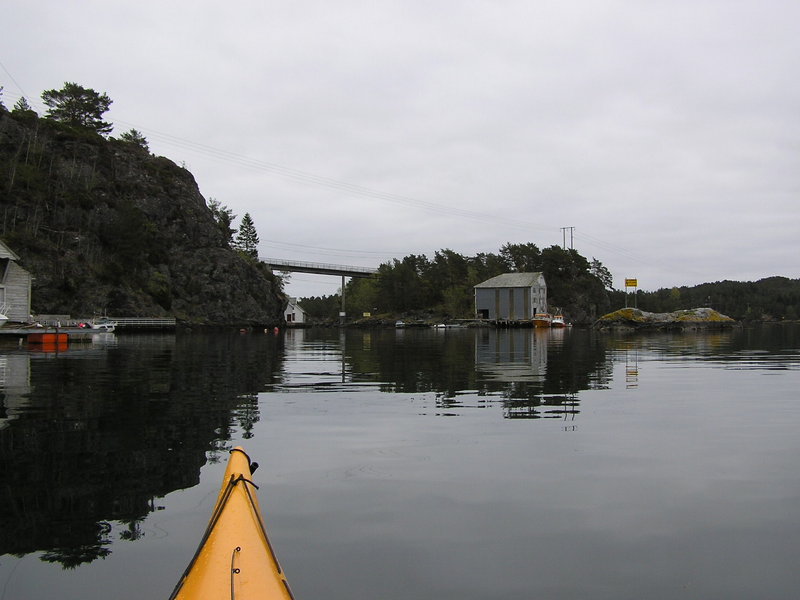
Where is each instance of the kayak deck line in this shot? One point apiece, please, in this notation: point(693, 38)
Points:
point(235, 558)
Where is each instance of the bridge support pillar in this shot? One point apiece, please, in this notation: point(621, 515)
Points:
point(342, 312)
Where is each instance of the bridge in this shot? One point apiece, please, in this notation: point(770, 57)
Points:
point(298, 266)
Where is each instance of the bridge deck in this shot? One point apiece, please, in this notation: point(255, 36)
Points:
point(298, 266)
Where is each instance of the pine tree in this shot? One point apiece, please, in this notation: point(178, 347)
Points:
point(224, 217)
point(247, 238)
point(135, 137)
point(78, 106)
point(22, 105)
point(23, 110)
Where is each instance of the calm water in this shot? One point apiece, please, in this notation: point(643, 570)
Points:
point(412, 464)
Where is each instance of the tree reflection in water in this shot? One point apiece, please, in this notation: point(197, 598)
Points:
point(95, 435)
point(527, 370)
point(92, 437)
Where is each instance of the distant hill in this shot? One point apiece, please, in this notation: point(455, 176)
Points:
point(106, 227)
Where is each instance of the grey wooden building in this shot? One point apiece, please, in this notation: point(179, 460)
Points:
point(15, 287)
point(511, 297)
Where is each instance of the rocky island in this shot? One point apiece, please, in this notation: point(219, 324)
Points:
point(632, 319)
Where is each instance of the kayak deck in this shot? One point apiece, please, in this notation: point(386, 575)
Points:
point(235, 559)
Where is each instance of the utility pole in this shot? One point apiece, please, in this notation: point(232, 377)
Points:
point(564, 237)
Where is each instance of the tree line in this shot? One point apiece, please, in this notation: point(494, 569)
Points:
point(443, 285)
point(769, 299)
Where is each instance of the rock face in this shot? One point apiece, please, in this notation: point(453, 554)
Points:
point(107, 228)
point(694, 318)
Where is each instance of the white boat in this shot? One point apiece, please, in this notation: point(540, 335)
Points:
point(558, 321)
point(103, 325)
point(3, 319)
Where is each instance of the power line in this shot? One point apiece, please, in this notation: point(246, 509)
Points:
point(11, 77)
point(307, 178)
point(340, 251)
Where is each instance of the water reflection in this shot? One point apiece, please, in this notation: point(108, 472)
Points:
point(15, 385)
point(92, 437)
point(96, 434)
point(510, 355)
point(529, 373)
point(772, 346)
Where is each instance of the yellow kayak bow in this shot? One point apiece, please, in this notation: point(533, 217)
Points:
point(234, 560)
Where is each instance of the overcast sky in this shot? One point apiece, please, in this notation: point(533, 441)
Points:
point(666, 132)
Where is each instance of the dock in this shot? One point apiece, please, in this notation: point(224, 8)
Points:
point(47, 336)
point(122, 323)
point(64, 331)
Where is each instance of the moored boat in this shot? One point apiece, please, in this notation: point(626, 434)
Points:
point(235, 558)
point(542, 319)
point(105, 325)
point(558, 321)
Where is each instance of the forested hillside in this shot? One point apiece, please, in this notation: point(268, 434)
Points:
point(105, 227)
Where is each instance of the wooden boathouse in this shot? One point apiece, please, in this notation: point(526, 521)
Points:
point(15, 287)
point(514, 297)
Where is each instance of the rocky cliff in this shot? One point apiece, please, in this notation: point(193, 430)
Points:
point(105, 227)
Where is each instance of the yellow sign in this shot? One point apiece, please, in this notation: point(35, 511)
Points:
point(631, 283)
point(366, 314)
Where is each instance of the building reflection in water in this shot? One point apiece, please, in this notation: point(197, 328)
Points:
point(15, 385)
point(530, 373)
point(511, 355)
point(517, 360)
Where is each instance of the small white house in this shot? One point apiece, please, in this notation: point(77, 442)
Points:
point(294, 314)
point(511, 296)
point(15, 287)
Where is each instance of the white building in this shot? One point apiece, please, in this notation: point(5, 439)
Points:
point(294, 314)
point(511, 297)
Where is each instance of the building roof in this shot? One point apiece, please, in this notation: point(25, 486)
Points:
point(293, 302)
point(6, 252)
point(513, 280)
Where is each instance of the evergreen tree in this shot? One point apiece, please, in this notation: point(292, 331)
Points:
point(78, 106)
point(600, 271)
point(23, 110)
point(224, 217)
point(521, 258)
point(247, 238)
point(2, 106)
point(137, 138)
point(22, 106)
